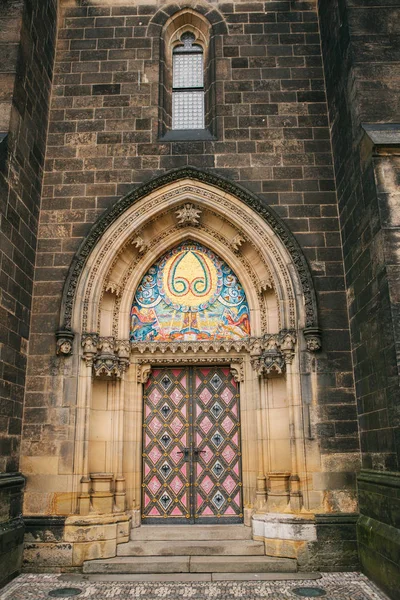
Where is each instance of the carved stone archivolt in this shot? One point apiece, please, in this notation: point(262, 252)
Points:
point(197, 189)
point(168, 199)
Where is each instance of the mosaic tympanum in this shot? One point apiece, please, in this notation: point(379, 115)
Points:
point(189, 294)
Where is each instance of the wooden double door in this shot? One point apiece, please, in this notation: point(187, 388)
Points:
point(191, 447)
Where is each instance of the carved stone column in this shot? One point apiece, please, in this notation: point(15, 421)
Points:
point(84, 401)
point(123, 352)
point(287, 349)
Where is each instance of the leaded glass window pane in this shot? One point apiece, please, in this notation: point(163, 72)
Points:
point(188, 110)
point(188, 85)
point(188, 71)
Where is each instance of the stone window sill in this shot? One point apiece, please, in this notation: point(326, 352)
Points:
point(187, 135)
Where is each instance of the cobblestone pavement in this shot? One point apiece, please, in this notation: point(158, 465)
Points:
point(338, 586)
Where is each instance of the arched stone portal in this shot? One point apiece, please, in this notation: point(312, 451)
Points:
point(110, 368)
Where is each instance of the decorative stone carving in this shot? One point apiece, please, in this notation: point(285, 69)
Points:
point(237, 242)
point(182, 360)
point(107, 356)
point(183, 347)
point(123, 349)
point(89, 345)
point(313, 339)
point(114, 288)
point(140, 244)
point(144, 372)
point(270, 354)
point(106, 362)
point(107, 346)
point(265, 285)
point(198, 177)
point(65, 337)
point(237, 371)
point(272, 362)
point(287, 347)
point(188, 214)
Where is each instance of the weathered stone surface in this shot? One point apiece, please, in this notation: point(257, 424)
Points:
point(360, 91)
point(47, 555)
point(191, 548)
point(273, 134)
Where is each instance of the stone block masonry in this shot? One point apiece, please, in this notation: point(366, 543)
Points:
point(272, 137)
point(27, 44)
point(363, 105)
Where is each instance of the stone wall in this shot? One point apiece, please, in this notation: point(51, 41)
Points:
point(362, 66)
point(272, 137)
point(26, 61)
point(10, 30)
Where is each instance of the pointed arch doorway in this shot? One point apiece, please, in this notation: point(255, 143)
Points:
point(114, 368)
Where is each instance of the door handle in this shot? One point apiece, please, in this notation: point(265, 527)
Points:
point(197, 451)
point(185, 452)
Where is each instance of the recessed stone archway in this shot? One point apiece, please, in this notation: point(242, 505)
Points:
point(108, 371)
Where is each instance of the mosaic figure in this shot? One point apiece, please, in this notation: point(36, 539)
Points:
point(189, 294)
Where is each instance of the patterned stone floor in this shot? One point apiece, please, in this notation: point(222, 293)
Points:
point(338, 586)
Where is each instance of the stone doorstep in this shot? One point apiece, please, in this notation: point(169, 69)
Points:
point(182, 577)
point(187, 564)
point(191, 533)
point(192, 548)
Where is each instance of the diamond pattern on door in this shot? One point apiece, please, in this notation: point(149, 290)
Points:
point(191, 447)
point(165, 476)
point(218, 447)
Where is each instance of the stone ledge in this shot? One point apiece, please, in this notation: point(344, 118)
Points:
point(11, 534)
point(10, 480)
point(285, 527)
point(388, 478)
point(84, 521)
point(336, 518)
point(60, 543)
point(383, 134)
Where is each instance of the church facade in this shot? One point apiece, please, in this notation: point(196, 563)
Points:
point(200, 278)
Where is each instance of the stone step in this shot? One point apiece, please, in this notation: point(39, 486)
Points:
point(192, 548)
point(133, 564)
point(187, 564)
point(242, 564)
point(191, 532)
